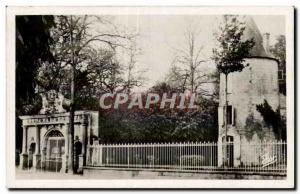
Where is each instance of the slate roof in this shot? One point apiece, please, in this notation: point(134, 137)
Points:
point(252, 31)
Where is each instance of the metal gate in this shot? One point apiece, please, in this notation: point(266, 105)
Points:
point(52, 157)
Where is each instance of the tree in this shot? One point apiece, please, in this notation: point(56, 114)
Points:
point(135, 76)
point(33, 42)
point(253, 126)
point(163, 125)
point(73, 42)
point(273, 119)
point(186, 72)
point(279, 51)
point(107, 74)
point(153, 124)
point(104, 72)
point(96, 67)
point(232, 51)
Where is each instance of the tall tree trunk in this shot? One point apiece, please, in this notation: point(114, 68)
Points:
point(71, 126)
point(72, 110)
point(225, 120)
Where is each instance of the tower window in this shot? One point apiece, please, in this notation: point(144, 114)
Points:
point(229, 115)
point(281, 75)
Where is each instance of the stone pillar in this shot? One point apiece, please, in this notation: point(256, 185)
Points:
point(24, 154)
point(84, 140)
point(80, 164)
point(82, 156)
point(88, 138)
point(70, 163)
point(237, 151)
point(89, 130)
point(220, 151)
point(64, 167)
point(64, 163)
point(44, 150)
point(37, 155)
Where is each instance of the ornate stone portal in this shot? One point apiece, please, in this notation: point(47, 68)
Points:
point(45, 136)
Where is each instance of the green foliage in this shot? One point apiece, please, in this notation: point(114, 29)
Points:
point(193, 160)
point(52, 76)
point(230, 56)
point(160, 125)
point(32, 46)
point(253, 126)
point(279, 52)
point(273, 119)
point(120, 127)
point(98, 71)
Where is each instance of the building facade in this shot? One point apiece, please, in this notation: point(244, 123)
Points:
point(257, 82)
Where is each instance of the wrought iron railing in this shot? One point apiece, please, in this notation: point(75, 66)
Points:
point(195, 156)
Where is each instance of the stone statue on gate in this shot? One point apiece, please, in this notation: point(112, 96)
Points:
point(52, 102)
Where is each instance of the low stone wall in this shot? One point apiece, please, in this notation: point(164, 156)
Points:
point(115, 173)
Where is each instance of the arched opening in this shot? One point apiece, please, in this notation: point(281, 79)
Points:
point(228, 151)
point(53, 151)
point(31, 151)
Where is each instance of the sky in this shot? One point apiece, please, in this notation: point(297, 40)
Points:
point(160, 37)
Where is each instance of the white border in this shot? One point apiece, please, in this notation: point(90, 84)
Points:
point(130, 183)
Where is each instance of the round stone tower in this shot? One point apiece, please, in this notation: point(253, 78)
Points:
point(257, 82)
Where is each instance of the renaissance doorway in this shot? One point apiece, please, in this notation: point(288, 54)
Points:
point(228, 151)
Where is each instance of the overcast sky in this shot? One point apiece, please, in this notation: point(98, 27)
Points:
point(161, 35)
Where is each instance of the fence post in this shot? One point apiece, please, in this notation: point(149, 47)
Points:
point(88, 154)
point(127, 155)
point(180, 155)
point(237, 152)
point(220, 152)
point(100, 153)
point(153, 155)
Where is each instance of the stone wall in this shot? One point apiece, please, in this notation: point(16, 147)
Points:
point(256, 83)
point(246, 89)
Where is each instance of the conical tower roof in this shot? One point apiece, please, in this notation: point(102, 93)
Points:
point(252, 31)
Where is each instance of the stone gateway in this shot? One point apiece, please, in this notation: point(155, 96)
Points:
point(45, 137)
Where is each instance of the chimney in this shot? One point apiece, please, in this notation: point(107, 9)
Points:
point(266, 42)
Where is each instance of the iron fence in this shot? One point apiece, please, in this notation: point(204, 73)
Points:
point(196, 156)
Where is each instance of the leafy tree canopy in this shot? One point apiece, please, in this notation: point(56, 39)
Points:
point(279, 50)
point(32, 46)
point(273, 119)
point(230, 56)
